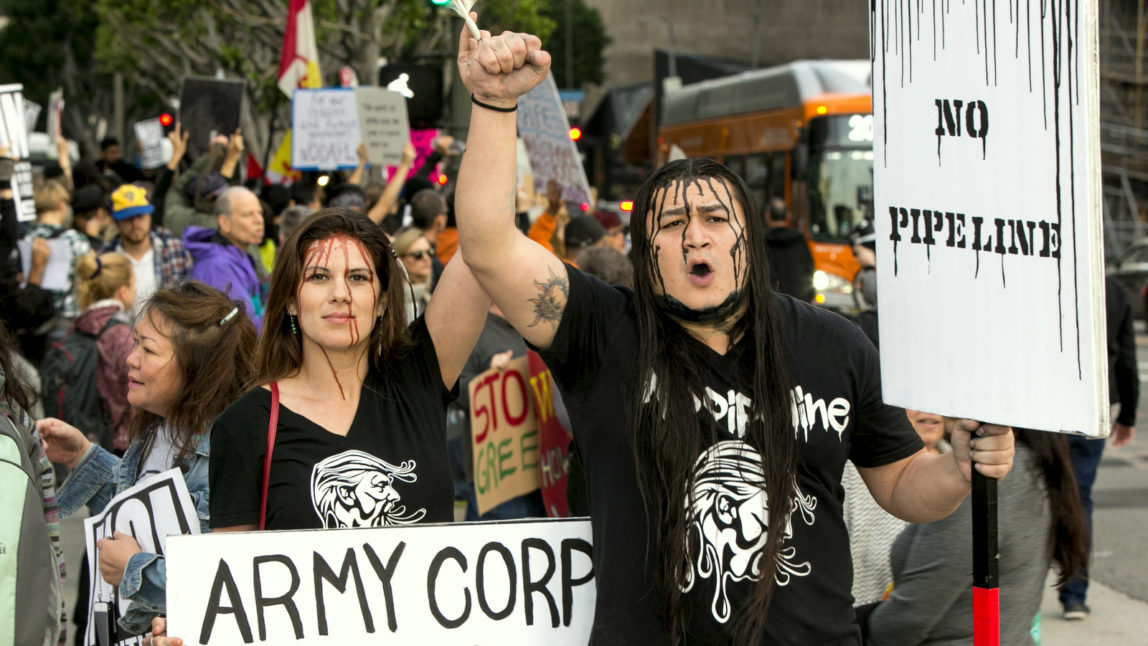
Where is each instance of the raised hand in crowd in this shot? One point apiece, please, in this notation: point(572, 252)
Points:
point(497, 70)
point(233, 155)
point(114, 554)
point(63, 155)
point(63, 443)
point(360, 169)
point(390, 194)
point(178, 140)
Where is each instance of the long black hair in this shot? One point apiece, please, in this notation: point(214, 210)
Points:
point(15, 389)
point(1067, 540)
point(669, 435)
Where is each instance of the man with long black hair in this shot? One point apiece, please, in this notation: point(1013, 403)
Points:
point(714, 416)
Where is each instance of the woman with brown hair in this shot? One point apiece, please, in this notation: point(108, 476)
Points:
point(106, 292)
point(351, 414)
point(191, 357)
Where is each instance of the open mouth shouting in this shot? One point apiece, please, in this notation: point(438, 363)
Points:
point(700, 272)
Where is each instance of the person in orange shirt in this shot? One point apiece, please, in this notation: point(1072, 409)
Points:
point(549, 229)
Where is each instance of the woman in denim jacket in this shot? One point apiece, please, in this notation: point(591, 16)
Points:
point(191, 356)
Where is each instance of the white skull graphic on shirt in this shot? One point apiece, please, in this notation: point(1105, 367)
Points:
point(357, 489)
point(728, 509)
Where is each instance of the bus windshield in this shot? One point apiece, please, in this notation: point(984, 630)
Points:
point(840, 175)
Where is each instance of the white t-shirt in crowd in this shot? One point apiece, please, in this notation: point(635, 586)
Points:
point(144, 270)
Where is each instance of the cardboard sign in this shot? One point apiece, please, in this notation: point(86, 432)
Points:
point(324, 129)
point(987, 208)
point(472, 583)
point(554, 439)
point(209, 107)
point(31, 115)
point(504, 435)
point(151, 511)
point(57, 270)
point(543, 126)
point(383, 125)
point(150, 135)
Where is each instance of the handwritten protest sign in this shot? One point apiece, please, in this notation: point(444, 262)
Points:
point(383, 125)
point(324, 129)
point(543, 125)
point(14, 135)
point(472, 583)
point(150, 135)
point(554, 439)
point(151, 511)
point(329, 124)
point(987, 189)
point(209, 107)
point(31, 114)
point(504, 435)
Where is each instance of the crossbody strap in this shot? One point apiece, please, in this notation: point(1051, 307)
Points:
point(272, 425)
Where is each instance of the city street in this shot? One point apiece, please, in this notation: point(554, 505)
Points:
point(1119, 593)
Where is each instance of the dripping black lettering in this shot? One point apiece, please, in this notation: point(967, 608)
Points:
point(1002, 236)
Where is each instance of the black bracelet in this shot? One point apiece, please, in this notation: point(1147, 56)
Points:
point(491, 107)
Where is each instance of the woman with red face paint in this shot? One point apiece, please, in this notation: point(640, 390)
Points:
point(350, 413)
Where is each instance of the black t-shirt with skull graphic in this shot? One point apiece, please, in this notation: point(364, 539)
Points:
point(838, 416)
point(390, 469)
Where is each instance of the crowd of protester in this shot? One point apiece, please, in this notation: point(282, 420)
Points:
point(344, 322)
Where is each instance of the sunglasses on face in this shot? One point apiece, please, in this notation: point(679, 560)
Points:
point(417, 255)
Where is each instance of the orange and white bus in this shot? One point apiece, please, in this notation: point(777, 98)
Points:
point(801, 131)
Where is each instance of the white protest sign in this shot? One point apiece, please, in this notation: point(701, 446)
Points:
point(13, 128)
point(22, 188)
point(543, 126)
point(324, 129)
point(383, 124)
point(466, 583)
point(151, 511)
point(150, 135)
point(987, 208)
point(56, 270)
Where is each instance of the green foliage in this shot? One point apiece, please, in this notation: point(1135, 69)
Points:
point(589, 39)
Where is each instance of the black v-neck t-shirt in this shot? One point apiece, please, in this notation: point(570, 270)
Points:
point(838, 415)
point(391, 468)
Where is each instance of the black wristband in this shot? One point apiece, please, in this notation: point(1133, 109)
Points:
point(5, 184)
point(491, 107)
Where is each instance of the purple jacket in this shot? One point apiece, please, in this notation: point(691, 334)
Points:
point(113, 347)
point(225, 267)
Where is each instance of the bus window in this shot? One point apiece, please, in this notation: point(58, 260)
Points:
point(840, 176)
point(757, 177)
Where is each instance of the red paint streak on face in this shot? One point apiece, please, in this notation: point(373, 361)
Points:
point(334, 374)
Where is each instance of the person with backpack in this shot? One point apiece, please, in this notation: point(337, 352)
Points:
point(95, 354)
point(32, 567)
point(192, 354)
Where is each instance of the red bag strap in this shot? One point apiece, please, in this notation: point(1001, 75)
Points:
point(272, 425)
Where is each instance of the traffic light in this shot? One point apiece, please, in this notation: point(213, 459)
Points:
point(575, 133)
point(440, 3)
point(165, 119)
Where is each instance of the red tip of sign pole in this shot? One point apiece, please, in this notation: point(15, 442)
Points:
point(986, 617)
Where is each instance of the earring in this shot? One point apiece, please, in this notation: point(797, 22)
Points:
point(294, 328)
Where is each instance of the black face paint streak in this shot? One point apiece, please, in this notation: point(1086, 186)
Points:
point(681, 199)
point(677, 310)
point(652, 256)
point(738, 254)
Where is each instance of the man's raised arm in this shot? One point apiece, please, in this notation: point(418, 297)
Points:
point(527, 283)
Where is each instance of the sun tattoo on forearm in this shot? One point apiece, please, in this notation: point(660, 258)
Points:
point(551, 299)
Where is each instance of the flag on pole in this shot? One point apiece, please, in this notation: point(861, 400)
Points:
point(299, 65)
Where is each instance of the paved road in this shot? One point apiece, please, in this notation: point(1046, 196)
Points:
point(1119, 593)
